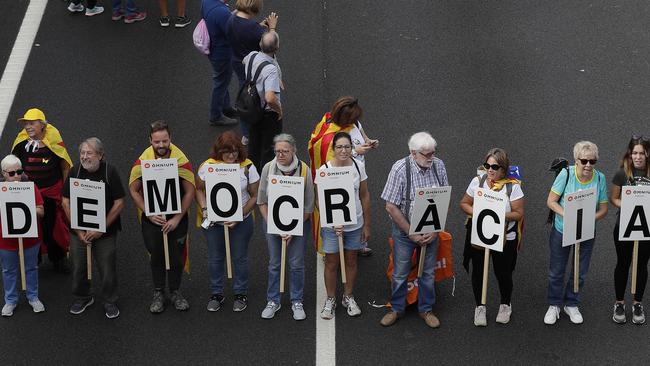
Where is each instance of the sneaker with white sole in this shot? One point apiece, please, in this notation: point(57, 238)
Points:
point(182, 22)
point(619, 313)
point(37, 306)
point(638, 316)
point(349, 303)
point(80, 305)
point(214, 304)
point(271, 308)
point(574, 314)
point(552, 315)
point(240, 303)
point(8, 309)
point(298, 311)
point(505, 310)
point(94, 11)
point(480, 316)
point(75, 8)
point(328, 309)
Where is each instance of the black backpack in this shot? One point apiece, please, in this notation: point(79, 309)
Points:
point(556, 166)
point(248, 103)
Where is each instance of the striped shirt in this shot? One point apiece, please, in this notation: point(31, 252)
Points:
point(394, 190)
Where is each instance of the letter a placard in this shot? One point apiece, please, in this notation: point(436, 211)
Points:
point(488, 219)
point(336, 198)
point(430, 210)
point(223, 192)
point(161, 187)
point(87, 205)
point(18, 210)
point(579, 217)
point(635, 208)
point(286, 205)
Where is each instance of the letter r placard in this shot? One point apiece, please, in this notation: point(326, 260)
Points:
point(18, 210)
point(336, 196)
point(488, 219)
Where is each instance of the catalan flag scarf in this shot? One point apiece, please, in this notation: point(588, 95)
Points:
point(52, 140)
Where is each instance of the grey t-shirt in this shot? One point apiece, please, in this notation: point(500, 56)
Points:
point(263, 198)
point(269, 79)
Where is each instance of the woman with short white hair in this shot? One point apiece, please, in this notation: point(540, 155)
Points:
point(12, 171)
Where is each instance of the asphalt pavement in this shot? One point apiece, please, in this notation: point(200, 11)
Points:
point(531, 77)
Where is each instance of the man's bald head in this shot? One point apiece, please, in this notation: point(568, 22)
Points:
point(270, 42)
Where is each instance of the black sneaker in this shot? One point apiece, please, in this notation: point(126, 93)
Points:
point(111, 310)
point(80, 305)
point(619, 313)
point(224, 121)
point(164, 21)
point(182, 22)
point(214, 304)
point(240, 303)
point(158, 302)
point(229, 112)
point(179, 301)
point(638, 316)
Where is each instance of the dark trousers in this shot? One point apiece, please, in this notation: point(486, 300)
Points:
point(54, 252)
point(221, 75)
point(103, 252)
point(153, 240)
point(624, 251)
point(260, 144)
point(503, 263)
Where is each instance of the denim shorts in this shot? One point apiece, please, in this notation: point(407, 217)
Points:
point(351, 240)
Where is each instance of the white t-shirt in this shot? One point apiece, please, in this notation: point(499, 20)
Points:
point(516, 194)
point(253, 177)
point(357, 140)
point(358, 178)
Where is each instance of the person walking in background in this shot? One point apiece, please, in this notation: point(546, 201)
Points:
point(129, 12)
point(91, 8)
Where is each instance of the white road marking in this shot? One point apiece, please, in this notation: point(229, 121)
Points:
point(18, 58)
point(325, 329)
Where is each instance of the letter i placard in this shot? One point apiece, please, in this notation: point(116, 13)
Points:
point(633, 226)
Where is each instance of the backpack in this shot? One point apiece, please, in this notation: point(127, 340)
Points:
point(248, 104)
point(557, 165)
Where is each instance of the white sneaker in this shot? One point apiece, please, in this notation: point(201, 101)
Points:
point(8, 309)
point(505, 311)
point(552, 315)
point(75, 8)
point(298, 311)
point(574, 314)
point(480, 316)
point(328, 309)
point(37, 306)
point(94, 11)
point(270, 310)
point(349, 303)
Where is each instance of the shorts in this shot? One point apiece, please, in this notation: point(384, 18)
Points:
point(351, 240)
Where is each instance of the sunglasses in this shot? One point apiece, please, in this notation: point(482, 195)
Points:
point(491, 166)
point(640, 138)
point(590, 161)
point(12, 173)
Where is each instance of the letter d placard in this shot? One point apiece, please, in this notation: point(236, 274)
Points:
point(488, 219)
point(18, 210)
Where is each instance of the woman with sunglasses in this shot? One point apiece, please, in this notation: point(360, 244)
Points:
point(12, 171)
point(228, 149)
point(496, 165)
point(583, 175)
point(353, 235)
point(634, 171)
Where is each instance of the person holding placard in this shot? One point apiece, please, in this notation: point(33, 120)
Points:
point(46, 162)
point(583, 175)
point(634, 171)
point(173, 226)
point(496, 165)
point(12, 171)
point(228, 149)
point(353, 235)
point(286, 163)
point(92, 166)
point(421, 169)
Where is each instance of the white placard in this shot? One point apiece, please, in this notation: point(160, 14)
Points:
point(635, 208)
point(286, 197)
point(430, 210)
point(579, 216)
point(87, 205)
point(18, 210)
point(161, 187)
point(223, 192)
point(489, 219)
point(336, 199)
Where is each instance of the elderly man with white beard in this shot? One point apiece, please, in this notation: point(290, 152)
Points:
point(92, 166)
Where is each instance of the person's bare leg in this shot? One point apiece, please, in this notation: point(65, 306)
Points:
point(180, 8)
point(331, 269)
point(350, 270)
point(163, 8)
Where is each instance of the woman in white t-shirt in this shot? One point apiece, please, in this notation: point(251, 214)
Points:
point(496, 164)
point(228, 149)
point(353, 235)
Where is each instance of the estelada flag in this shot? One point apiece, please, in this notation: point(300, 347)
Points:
point(184, 172)
point(320, 152)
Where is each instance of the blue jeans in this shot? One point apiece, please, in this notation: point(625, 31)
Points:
point(403, 248)
point(11, 273)
point(221, 74)
point(295, 261)
point(238, 68)
point(351, 240)
point(240, 235)
point(558, 294)
point(128, 9)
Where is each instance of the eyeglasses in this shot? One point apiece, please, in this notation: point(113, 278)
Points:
point(640, 137)
point(229, 152)
point(282, 152)
point(494, 167)
point(428, 156)
point(12, 173)
point(343, 147)
point(590, 161)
